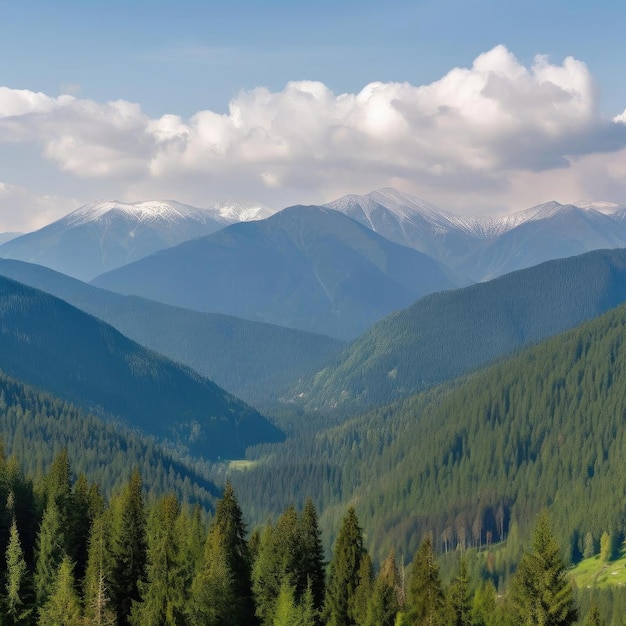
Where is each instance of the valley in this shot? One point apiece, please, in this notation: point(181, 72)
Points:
point(392, 375)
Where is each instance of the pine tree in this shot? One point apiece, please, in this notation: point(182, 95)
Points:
point(162, 595)
point(98, 607)
point(229, 520)
point(128, 548)
point(17, 603)
point(459, 595)
point(63, 606)
point(343, 576)
point(426, 601)
point(213, 591)
point(49, 552)
point(312, 568)
point(384, 603)
point(541, 592)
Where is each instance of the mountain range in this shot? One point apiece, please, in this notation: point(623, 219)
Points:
point(252, 360)
point(49, 344)
point(445, 335)
point(103, 235)
point(479, 248)
point(305, 267)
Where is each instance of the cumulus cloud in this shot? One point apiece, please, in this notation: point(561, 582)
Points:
point(24, 211)
point(476, 132)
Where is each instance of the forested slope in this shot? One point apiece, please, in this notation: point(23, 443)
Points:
point(35, 427)
point(252, 360)
point(545, 427)
point(52, 345)
point(447, 334)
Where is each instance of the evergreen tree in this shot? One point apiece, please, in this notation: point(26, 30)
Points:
point(98, 607)
point(229, 520)
point(128, 548)
point(162, 595)
point(426, 600)
point(311, 572)
point(63, 606)
point(287, 612)
point(460, 599)
point(343, 576)
point(541, 592)
point(17, 603)
point(213, 591)
point(49, 552)
point(384, 603)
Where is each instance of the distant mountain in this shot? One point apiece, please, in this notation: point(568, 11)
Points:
point(104, 235)
point(306, 267)
point(480, 248)
point(255, 361)
point(444, 335)
point(54, 346)
point(551, 231)
point(4, 237)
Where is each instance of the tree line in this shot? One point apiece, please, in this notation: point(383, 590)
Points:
point(71, 557)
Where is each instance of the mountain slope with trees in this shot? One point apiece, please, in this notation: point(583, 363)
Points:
point(252, 360)
point(52, 345)
point(474, 461)
point(444, 335)
point(306, 267)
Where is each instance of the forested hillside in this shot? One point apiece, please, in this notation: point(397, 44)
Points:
point(35, 427)
point(252, 360)
point(74, 558)
point(472, 460)
point(447, 334)
point(52, 345)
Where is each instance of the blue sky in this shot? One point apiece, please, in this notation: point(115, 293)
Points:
point(177, 59)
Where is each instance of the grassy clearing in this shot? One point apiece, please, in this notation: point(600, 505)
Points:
point(593, 572)
point(241, 464)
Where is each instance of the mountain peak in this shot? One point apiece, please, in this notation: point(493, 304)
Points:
point(238, 210)
point(146, 211)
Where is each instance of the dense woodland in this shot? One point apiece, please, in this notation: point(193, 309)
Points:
point(475, 461)
point(73, 558)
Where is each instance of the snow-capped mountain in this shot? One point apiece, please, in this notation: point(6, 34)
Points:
point(234, 210)
point(103, 235)
point(481, 247)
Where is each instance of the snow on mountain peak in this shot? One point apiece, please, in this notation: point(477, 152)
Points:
point(146, 211)
point(235, 210)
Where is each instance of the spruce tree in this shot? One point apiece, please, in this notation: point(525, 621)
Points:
point(63, 606)
point(384, 604)
point(49, 552)
point(213, 591)
point(541, 592)
point(162, 594)
point(311, 572)
point(229, 520)
point(128, 548)
point(343, 576)
point(425, 601)
point(459, 597)
point(17, 605)
point(98, 606)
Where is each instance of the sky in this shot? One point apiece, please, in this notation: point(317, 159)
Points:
point(478, 106)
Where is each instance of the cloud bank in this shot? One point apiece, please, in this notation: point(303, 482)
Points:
point(493, 135)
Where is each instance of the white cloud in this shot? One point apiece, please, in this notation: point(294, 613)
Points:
point(479, 134)
point(23, 211)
